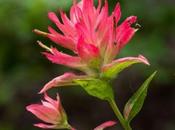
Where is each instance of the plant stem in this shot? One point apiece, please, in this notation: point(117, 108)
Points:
point(117, 112)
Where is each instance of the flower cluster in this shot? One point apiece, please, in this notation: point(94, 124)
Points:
point(51, 112)
point(95, 37)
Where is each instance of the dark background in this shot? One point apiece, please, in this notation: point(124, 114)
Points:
point(23, 70)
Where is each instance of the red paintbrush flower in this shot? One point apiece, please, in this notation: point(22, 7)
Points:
point(93, 35)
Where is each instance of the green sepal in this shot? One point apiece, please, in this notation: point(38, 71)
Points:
point(135, 103)
point(97, 88)
point(112, 70)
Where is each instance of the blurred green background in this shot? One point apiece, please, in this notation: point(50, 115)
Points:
point(23, 70)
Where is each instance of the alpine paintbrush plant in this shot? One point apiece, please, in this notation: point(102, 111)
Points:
point(51, 112)
point(95, 38)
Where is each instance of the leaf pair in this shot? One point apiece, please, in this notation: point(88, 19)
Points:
point(102, 90)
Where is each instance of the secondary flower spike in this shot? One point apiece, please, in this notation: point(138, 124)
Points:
point(51, 112)
point(93, 35)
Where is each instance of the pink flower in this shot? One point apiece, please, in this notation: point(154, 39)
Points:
point(105, 125)
point(90, 32)
point(94, 36)
point(51, 112)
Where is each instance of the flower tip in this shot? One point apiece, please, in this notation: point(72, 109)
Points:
point(44, 46)
point(138, 25)
point(40, 32)
point(134, 18)
point(117, 7)
point(39, 43)
point(52, 16)
point(135, 30)
point(37, 125)
point(41, 91)
point(112, 123)
point(117, 12)
point(144, 60)
point(29, 108)
point(105, 125)
point(131, 19)
point(50, 29)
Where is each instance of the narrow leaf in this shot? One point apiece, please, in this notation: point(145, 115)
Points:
point(97, 88)
point(135, 103)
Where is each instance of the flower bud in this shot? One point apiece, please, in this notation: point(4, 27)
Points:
point(51, 112)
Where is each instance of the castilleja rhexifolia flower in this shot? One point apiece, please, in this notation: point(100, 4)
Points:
point(51, 112)
point(93, 35)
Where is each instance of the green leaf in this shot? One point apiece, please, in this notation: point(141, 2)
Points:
point(97, 88)
point(135, 103)
point(113, 69)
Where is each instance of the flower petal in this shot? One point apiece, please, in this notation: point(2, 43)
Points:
point(84, 32)
point(102, 18)
point(44, 113)
point(99, 6)
point(64, 41)
point(45, 126)
point(60, 58)
point(88, 6)
point(117, 13)
point(87, 52)
point(125, 32)
point(52, 16)
point(63, 80)
point(69, 24)
point(110, 38)
point(75, 14)
point(105, 125)
point(51, 103)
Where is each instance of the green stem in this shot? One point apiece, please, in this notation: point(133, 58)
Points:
point(117, 112)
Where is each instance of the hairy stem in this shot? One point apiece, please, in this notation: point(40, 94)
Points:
point(117, 112)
